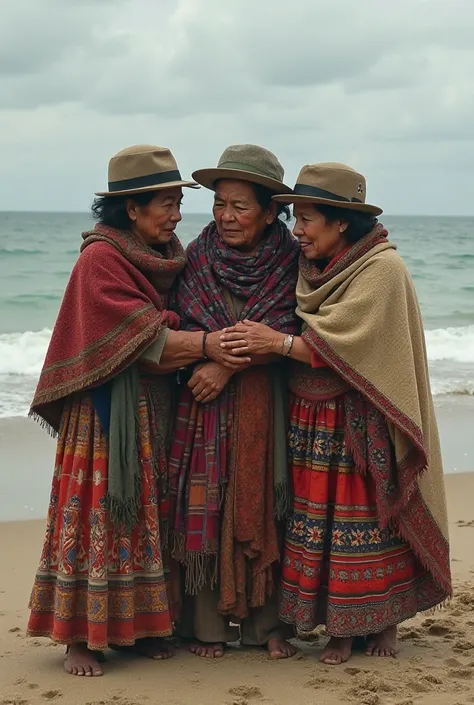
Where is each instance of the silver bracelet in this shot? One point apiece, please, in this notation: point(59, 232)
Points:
point(288, 344)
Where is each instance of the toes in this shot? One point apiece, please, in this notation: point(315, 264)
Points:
point(277, 653)
point(331, 659)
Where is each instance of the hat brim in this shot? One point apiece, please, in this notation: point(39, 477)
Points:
point(347, 205)
point(144, 189)
point(208, 178)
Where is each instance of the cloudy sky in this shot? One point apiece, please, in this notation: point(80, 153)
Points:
point(385, 87)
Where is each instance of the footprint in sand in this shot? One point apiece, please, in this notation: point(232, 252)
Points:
point(421, 686)
point(439, 627)
point(246, 691)
point(463, 673)
point(369, 683)
point(51, 694)
point(429, 678)
point(369, 698)
point(460, 647)
point(406, 634)
point(316, 682)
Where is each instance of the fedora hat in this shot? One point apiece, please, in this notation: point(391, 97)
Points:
point(141, 168)
point(330, 184)
point(247, 162)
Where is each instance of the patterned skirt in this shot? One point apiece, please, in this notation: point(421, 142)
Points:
point(96, 583)
point(339, 567)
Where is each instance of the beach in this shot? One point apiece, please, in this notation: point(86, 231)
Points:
point(435, 665)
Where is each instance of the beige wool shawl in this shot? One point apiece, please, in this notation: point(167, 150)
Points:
point(365, 322)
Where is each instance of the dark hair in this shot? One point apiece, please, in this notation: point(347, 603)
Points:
point(359, 223)
point(112, 210)
point(264, 200)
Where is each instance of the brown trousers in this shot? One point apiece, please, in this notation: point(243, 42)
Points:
point(201, 620)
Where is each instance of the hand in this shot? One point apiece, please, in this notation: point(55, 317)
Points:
point(216, 352)
point(208, 381)
point(252, 338)
point(171, 319)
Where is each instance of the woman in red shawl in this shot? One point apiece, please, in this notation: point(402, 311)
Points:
point(104, 392)
point(366, 545)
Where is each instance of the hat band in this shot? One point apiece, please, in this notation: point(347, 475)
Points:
point(162, 177)
point(306, 190)
point(246, 167)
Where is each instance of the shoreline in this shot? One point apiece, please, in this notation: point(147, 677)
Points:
point(27, 457)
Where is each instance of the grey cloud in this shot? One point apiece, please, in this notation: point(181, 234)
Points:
point(385, 87)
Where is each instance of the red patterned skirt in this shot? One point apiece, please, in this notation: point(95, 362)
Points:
point(339, 567)
point(96, 583)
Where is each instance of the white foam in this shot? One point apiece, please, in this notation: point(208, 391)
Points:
point(454, 385)
point(23, 353)
point(22, 356)
point(456, 344)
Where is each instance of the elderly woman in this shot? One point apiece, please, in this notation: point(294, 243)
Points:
point(367, 540)
point(228, 466)
point(104, 391)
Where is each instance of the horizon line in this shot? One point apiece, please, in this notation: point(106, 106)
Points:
point(389, 215)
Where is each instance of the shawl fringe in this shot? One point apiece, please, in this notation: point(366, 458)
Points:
point(362, 318)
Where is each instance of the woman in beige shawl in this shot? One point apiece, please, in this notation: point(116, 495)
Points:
point(367, 542)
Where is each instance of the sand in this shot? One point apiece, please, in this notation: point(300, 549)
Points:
point(435, 666)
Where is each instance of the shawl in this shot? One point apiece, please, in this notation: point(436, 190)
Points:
point(201, 457)
point(113, 309)
point(362, 317)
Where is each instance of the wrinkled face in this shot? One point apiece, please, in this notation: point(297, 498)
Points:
point(318, 238)
point(156, 222)
point(240, 220)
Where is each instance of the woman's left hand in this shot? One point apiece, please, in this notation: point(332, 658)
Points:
point(249, 337)
point(208, 381)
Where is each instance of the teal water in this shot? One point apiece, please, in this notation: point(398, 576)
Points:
point(38, 251)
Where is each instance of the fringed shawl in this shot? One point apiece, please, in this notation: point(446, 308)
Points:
point(362, 317)
point(111, 311)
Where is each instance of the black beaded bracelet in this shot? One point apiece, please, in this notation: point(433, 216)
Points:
point(204, 338)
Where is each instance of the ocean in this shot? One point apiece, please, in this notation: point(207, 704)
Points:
point(38, 251)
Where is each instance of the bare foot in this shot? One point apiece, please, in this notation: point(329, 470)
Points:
point(151, 647)
point(81, 661)
point(207, 650)
point(280, 648)
point(337, 651)
point(383, 644)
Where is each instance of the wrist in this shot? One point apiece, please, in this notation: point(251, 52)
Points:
point(278, 344)
point(204, 354)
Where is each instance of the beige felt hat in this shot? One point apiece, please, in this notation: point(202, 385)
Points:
point(247, 162)
point(330, 184)
point(141, 168)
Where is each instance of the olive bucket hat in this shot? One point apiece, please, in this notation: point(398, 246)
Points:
point(247, 162)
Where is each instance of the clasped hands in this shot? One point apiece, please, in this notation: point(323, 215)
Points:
point(229, 351)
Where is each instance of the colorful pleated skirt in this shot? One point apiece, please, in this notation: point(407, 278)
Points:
point(96, 583)
point(339, 567)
